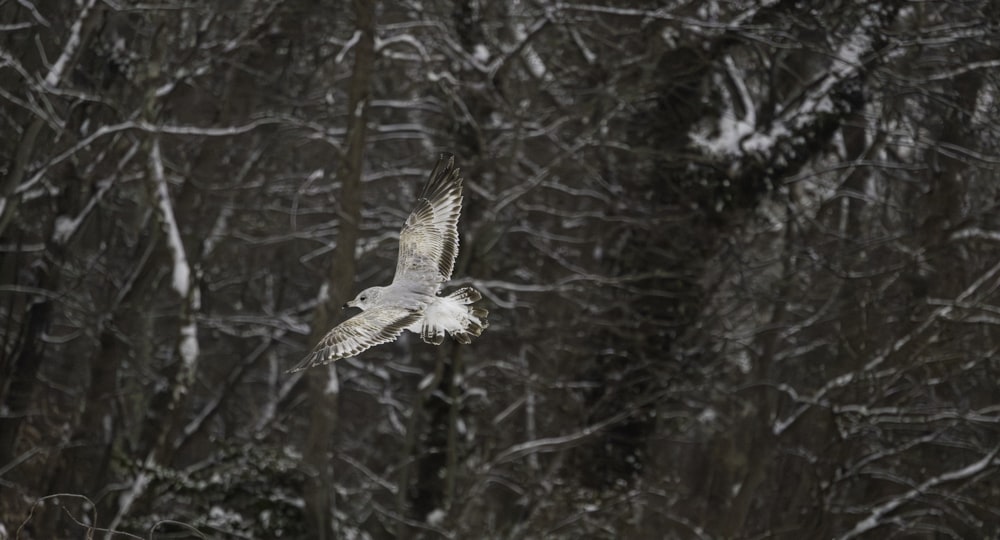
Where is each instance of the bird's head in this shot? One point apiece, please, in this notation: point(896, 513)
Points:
point(365, 298)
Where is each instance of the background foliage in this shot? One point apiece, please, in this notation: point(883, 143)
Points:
point(741, 260)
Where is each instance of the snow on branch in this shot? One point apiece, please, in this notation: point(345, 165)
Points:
point(555, 444)
point(921, 330)
point(182, 270)
point(975, 233)
point(182, 280)
point(731, 130)
point(129, 497)
point(348, 46)
point(69, 49)
point(875, 518)
point(522, 48)
point(66, 227)
point(736, 136)
point(188, 347)
point(223, 131)
point(408, 39)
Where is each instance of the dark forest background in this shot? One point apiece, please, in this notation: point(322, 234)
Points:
point(742, 261)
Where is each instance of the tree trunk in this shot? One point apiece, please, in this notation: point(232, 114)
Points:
point(322, 381)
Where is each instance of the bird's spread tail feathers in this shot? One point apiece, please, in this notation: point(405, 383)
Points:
point(455, 315)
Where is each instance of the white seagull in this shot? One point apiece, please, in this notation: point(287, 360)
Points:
point(428, 245)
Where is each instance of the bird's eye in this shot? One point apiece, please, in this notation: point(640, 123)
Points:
point(363, 298)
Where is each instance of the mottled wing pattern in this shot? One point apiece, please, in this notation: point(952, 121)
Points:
point(375, 325)
point(428, 242)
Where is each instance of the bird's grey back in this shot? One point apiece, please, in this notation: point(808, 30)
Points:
point(411, 293)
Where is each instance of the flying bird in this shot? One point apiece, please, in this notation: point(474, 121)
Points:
point(428, 245)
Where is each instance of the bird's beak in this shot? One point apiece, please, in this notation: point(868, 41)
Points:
point(346, 305)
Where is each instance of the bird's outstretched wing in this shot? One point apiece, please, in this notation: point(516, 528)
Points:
point(428, 243)
point(375, 325)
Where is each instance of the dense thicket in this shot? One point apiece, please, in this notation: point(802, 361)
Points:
point(741, 258)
